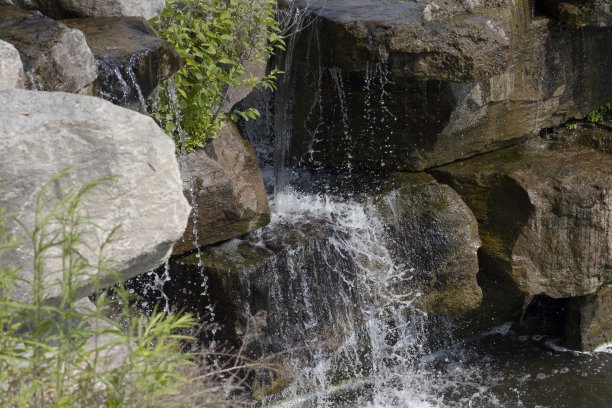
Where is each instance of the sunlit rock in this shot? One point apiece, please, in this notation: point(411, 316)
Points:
point(225, 187)
point(42, 134)
point(95, 8)
point(55, 57)
point(11, 67)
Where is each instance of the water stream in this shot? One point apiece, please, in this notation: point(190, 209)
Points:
point(340, 310)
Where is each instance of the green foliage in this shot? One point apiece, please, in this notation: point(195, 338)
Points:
point(598, 115)
point(66, 352)
point(216, 40)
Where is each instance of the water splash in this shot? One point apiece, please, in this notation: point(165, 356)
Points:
point(336, 300)
point(118, 83)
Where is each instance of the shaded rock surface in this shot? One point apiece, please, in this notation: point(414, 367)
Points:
point(544, 214)
point(225, 186)
point(579, 13)
point(589, 323)
point(95, 8)
point(42, 134)
point(435, 234)
point(131, 59)
point(55, 57)
point(392, 85)
point(11, 67)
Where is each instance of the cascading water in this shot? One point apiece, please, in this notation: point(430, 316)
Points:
point(341, 312)
point(344, 326)
point(118, 83)
point(333, 303)
point(336, 309)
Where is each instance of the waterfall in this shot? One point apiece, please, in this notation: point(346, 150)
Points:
point(334, 302)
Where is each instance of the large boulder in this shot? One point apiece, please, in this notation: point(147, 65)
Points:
point(11, 67)
point(41, 134)
point(55, 57)
point(225, 187)
point(132, 60)
point(432, 232)
point(544, 216)
point(95, 8)
point(413, 85)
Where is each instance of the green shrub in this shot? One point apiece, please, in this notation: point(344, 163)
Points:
point(215, 39)
point(598, 115)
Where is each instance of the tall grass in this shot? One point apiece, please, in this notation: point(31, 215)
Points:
point(68, 353)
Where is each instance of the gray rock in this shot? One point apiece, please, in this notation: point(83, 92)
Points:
point(11, 67)
point(42, 133)
point(253, 69)
point(132, 60)
point(95, 8)
point(225, 186)
point(55, 57)
point(544, 216)
point(383, 84)
point(589, 322)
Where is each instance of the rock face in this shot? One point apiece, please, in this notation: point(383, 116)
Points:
point(11, 67)
point(55, 57)
point(433, 232)
point(225, 186)
point(43, 133)
point(579, 13)
point(544, 214)
point(413, 85)
point(95, 8)
point(589, 322)
point(132, 60)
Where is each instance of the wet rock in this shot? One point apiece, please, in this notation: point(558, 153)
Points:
point(384, 86)
point(94, 8)
point(579, 13)
point(589, 323)
point(544, 217)
point(435, 235)
point(11, 67)
point(132, 60)
point(55, 57)
point(43, 133)
point(225, 186)
point(423, 40)
point(411, 247)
